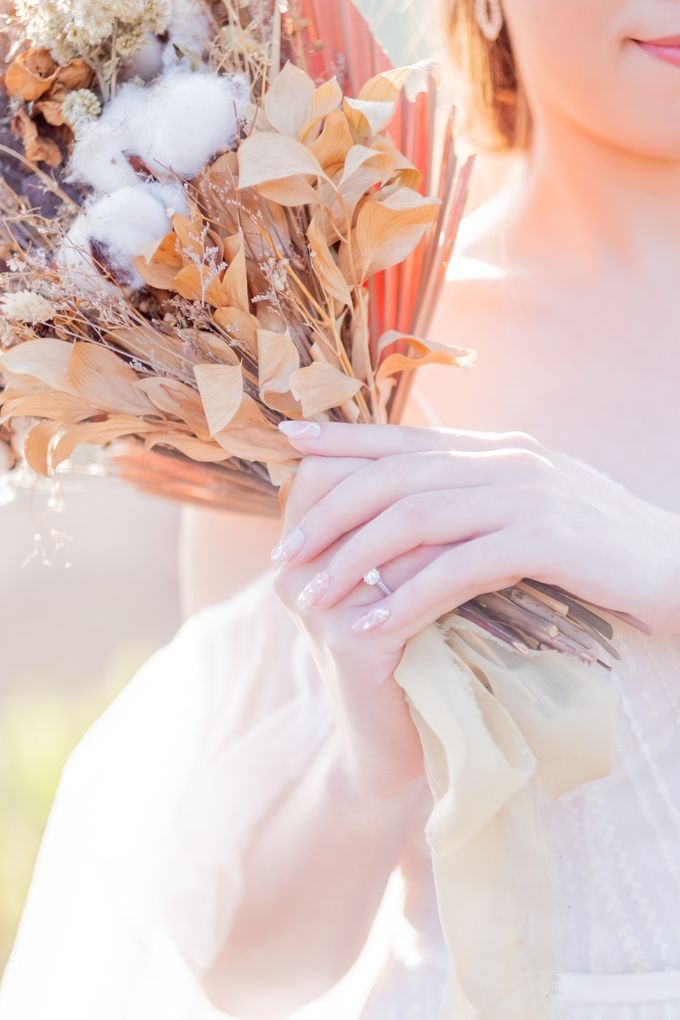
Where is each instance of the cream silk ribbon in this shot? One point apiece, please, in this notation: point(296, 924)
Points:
point(498, 726)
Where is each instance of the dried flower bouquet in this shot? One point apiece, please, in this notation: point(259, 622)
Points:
point(246, 244)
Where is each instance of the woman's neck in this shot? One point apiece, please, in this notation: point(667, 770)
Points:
point(600, 204)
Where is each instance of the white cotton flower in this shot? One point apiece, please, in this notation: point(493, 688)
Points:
point(26, 306)
point(174, 126)
point(79, 107)
point(112, 230)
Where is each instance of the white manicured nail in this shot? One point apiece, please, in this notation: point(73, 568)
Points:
point(317, 586)
point(289, 546)
point(297, 429)
point(371, 620)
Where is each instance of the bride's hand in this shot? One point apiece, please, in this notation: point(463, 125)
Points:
point(499, 507)
point(379, 742)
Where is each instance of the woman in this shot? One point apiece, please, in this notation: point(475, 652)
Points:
point(224, 840)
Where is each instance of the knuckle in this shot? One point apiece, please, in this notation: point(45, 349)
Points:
point(413, 511)
point(524, 440)
point(530, 463)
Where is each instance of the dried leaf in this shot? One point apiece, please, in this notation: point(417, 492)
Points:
point(37, 443)
point(238, 325)
point(278, 358)
point(231, 288)
point(367, 119)
point(324, 264)
point(387, 85)
point(46, 360)
point(425, 352)
point(221, 391)
point(267, 157)
point(76, 74)
point(333, 144)
point(192, 282)
point(37, 148)
point(99, 433)
point(176, 398)
point(388, 229)
point(289, 100)
point(60, 407)
point(320, 387)
point(105, 380)
point(30, 75)
point(198, 449)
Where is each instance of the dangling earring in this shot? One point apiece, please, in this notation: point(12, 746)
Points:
point(489, 18)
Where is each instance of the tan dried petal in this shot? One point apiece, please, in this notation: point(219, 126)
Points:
point(221, 391)
point(320, 387)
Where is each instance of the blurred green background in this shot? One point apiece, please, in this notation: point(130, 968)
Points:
point(71, 637)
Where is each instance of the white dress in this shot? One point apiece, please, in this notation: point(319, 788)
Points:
point(139, 875)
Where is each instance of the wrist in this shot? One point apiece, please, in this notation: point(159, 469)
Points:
point(372, 790)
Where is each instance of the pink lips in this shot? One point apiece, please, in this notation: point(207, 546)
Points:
point(667, 49)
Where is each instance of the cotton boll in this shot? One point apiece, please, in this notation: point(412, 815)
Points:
point(98, 154)
point(188, 29)
point(118, 226)
point(172, 196)
point(174, 126)
point(187, 118)
point(147, 62)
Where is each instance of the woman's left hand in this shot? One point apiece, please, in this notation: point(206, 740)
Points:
point(502, 510)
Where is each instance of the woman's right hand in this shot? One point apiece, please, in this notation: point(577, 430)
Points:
point(383, 751)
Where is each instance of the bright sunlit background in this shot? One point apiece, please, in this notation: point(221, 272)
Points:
point(71, 637)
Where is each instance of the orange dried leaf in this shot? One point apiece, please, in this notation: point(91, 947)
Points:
point(46, 360)
point(288, 102)
point(37, 148)
point(37, 445)
point(266, 157)
point(278, 358)
point(76, 74)
point(425, 352)
point(30, 75)
point(367, 119)
point(221, 391)
point(240, 326)
point(99, 433)
point(320, 387)
point(60, 407)
point(333, 144)
point(176, 398)
point(197, 449)
point(388, 230)
point(387, 85)
point(105, 380)
point(324, 264)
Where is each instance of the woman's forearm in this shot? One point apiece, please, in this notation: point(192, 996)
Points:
point(314, 875)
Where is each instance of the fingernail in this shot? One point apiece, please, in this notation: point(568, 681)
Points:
point(289, 546)
point(317, 586)
point(371, 620)
point(296, 429)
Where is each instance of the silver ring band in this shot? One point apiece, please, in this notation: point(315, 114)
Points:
point(372, 577)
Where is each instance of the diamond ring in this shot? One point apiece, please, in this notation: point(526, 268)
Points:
point(373, 578)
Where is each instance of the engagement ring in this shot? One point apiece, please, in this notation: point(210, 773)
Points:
point(373, 578)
